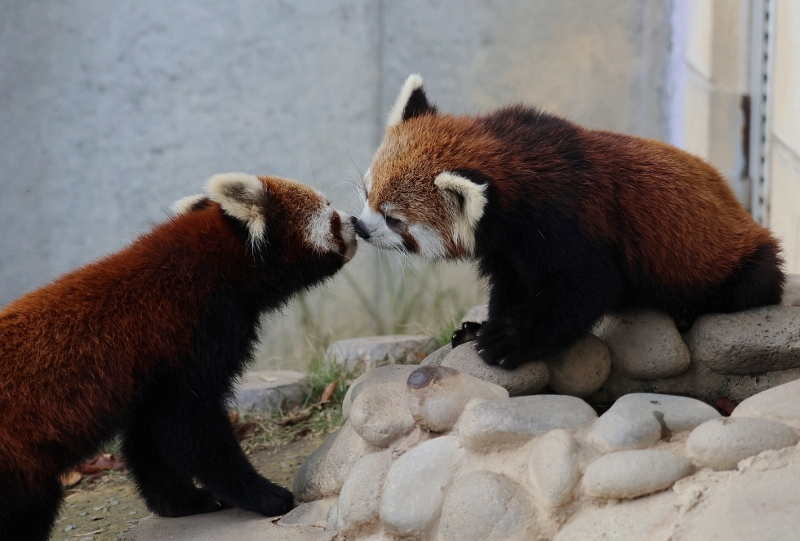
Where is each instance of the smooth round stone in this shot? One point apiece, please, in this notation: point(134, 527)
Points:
point(486, 425)
point(437, 356)
point(582, 369)
point(437, 395)
point(528, 378)
point(747, 342)
point(781, 403)
point(721, 443)
point(644, 344)
point(360, 497)
point(415, 486)
point(324, 471)
point(485, 506)
point(628, 474)
point(553, 468)
point(394, 373)
point(380, 415)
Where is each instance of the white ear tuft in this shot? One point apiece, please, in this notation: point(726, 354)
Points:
point(413, 82)
point(469, 201)
point(185, 204)
point(241, 196)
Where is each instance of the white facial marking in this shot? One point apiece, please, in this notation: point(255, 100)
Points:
point(241, 195)
point(367, 181)
point(318, 231)
point(412, 83)
point(349, 236)
point(182, 206)
point(380, 234)
point(429, 242)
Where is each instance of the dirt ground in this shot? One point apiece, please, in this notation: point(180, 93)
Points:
point(100, 509)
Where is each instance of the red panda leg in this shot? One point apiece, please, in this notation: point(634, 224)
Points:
point(166, 493)
point(28, 514)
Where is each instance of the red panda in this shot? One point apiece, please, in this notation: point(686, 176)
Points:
point(147, 343)
point(565, 223)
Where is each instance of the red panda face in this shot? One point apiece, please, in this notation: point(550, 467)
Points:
point(416, 200)
point(280, 214)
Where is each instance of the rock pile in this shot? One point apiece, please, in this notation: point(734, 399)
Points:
point(432, 453)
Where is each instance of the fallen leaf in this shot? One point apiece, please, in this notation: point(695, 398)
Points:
point(327, 394)
point(71, 478)
point(247, 430)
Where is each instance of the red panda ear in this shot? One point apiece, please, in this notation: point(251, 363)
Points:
point(188, 204)
point(468, 200)
point(242, 196)
point(411, 102)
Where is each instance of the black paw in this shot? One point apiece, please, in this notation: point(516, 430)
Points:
point(467, 333)
point(198, 501)
point(268, 499)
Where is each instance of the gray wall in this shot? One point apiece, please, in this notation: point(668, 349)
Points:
point(110, 111)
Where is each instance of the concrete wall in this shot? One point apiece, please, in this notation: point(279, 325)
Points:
point(113, 110)
point(784, 136)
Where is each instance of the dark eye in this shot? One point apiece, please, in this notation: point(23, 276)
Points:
point(393, 222)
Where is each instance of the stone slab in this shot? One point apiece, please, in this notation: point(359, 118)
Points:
point(270, 391)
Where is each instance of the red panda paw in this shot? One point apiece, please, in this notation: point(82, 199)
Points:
point(199, 501)
point(268, 499)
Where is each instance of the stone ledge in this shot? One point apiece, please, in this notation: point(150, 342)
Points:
point(270, 391)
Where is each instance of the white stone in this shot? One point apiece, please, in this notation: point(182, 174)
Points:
point(485, 506)
point(633, 430)
point(477, 314)
point(749, 342)
point(486, 425)
point(393, 373)
point(781, 403)
point(582, 369)
point(309, 514)
point(380, 414)
point(416, 484)
point(359, 500)
point(721, 443)
point(553, 468)
point(629, 474)
point(627, 520)
point(270, 390)
point(374, 351)
point(437, 395)
point(528, 378)
point(324, 472)
point(437, 356)
point(644, 344)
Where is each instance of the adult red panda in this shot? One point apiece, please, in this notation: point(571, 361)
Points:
point(565, 223)
point(148, 341)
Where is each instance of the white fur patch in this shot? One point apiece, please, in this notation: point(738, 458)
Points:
point(412, 83)
point(429, 242)
point(242, 196)
point(467, 217)
point(380, 234)
point(318, 231)
point(182, 206)
point(348, 235)
point(367, 181)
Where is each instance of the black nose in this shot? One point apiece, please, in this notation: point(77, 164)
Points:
point(359, 227)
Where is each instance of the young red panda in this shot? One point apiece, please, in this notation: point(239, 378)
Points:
point(565, 223)
point(147, 342)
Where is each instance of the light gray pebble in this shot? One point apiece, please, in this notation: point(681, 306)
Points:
point(485, 506)
point(380, 414)
point(528, 378)
point(359, 500)
point(394, 373)
point(721, 443)
point(437, 395)
point(582, 369)
point(781, 403)
point(628, 474)
point(415, 486)
point(488, 424)
point(553, 468)
point(748, 342)
point(324, 471)
point(644, 344)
